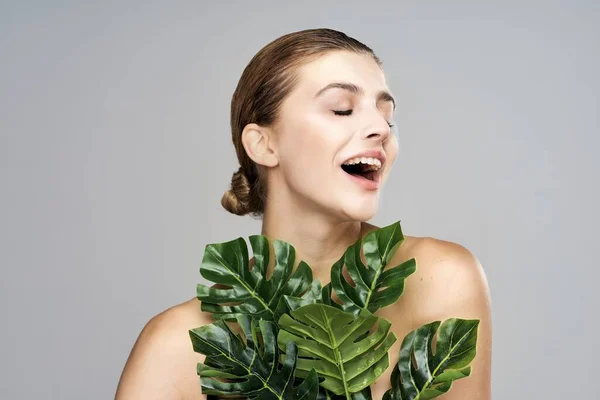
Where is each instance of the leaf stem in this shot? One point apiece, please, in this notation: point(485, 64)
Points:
point(338, 358)
point(374, 283)
point(248, 369)
point(438, 367)
point(249, 290)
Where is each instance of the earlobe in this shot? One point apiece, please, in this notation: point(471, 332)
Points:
point(259, 146)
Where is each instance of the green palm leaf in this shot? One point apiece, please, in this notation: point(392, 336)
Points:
point(250, 369)
point(333, 342)
point(434, 373)
point(374, 287)
point(228, 264)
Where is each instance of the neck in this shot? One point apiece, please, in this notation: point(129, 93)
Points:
point(318, 241)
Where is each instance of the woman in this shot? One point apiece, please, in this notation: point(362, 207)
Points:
point(306, 104)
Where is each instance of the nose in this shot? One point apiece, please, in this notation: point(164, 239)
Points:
point(379, 128)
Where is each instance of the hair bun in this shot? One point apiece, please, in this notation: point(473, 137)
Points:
point(236, 200)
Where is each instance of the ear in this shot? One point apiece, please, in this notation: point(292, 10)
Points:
point(259, 145)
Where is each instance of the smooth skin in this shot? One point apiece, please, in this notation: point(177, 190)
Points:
point(317, 208)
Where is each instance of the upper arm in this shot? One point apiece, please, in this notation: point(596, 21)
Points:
point(453, 285)
point(162, 363)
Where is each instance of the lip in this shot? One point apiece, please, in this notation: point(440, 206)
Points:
point(366, 184)
point(370, 153)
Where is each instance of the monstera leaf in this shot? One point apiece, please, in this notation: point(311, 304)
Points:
point(434, 373)
point(228, 264)
point(298, 343)
point(374, 287)
point(250, 369)
point(364, 394)
point(332, 342)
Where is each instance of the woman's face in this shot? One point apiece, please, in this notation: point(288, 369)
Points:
point(313, 139)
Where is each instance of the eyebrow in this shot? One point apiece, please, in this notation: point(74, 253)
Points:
point(352, 88)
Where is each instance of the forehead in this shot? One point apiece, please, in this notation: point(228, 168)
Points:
point(341, 66)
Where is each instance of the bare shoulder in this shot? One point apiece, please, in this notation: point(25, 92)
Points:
point(449, 277)
point(449, 282)
point(162, 363)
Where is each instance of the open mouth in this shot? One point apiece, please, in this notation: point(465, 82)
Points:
point(366, 171)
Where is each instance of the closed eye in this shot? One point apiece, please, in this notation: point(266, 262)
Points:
point(349, 112)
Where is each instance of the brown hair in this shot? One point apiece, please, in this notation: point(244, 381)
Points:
point(265, 82)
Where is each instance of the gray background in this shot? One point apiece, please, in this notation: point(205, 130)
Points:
point(115, 151)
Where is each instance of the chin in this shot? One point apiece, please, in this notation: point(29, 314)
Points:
point(360, 212)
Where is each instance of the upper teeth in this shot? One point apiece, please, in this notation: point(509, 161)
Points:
point(364, 160)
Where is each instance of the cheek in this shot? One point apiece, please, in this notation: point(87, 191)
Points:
point(307, 140)
point(391, 149)
point(297, 148)
point(308, 154)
